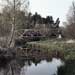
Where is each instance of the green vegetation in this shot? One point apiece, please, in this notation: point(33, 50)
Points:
point(67, 48)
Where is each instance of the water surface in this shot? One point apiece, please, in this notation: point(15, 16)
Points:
point(43, 68)
point(31, 67)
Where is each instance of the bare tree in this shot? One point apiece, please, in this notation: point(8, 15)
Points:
point(13, 7)
point(71, 14)
point(70, 24)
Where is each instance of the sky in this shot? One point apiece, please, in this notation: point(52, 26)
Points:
point(55, 8)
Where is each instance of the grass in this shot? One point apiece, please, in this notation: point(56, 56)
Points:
point(67, 48)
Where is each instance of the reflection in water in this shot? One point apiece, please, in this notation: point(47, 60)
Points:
point(43, 68)
point(68, 68)
point(30, 67)
point(10, 69)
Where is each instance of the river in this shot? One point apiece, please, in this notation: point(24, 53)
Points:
point(42, 68)
point(31, 67)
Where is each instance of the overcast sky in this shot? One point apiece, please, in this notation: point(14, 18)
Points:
point(55, 8)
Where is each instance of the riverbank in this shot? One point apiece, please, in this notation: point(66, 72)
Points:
point(67, 47)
